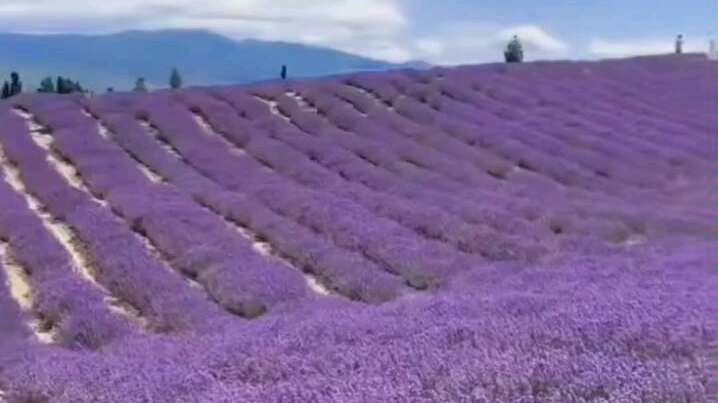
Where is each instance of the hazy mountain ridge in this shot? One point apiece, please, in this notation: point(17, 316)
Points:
point(100, 61)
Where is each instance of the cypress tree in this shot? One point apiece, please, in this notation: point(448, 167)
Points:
point(61, 87)
point(15, 84)
point(140, 85)
point(47, 85)
point(175, 79)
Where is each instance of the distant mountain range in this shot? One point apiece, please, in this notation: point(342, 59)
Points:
point(202, 57)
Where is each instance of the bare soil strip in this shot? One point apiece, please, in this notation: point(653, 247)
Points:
point(20, 289)
point(41, 136)
point(266, 249)
point(634, 240)
point(21, 292)
point(304, 105)
point(272, 107)
point(150, 129)
point(206, 128)
point(202, 123)
point(105, 133)
point(376, 98)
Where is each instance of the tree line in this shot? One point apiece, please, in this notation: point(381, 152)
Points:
point(65, 85)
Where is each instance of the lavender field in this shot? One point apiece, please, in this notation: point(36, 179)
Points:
point(532, 233)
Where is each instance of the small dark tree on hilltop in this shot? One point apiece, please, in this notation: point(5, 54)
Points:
point(67, 86)
point(46, 85)
point(283, 72)
point(175, 79)
point(61, 85)
point(110, 89)
point(77, 87)
point(140, 85)
point(12, 88)
point(15, 84)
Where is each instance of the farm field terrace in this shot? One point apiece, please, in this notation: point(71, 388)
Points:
point(534, 233)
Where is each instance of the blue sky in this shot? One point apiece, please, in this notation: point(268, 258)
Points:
point(589, 17)
point(589, 28)
point(440, 31)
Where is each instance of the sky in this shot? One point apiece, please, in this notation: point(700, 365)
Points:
point(437, 31)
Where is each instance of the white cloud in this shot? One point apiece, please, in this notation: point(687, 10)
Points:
point(638, 47)
point(429, 46)
point(367, 25)
point(373, 28)
point(534, 36)
point(472, 42)
point(365, 14)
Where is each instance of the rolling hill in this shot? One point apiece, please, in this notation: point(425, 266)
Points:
point(490, 233)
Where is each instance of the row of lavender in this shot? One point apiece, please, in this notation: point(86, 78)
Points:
point(614, 144)
point(399, 213)
point(176, 125)
point(192, 240)
point(621, 327)
point(479, 201)
point(61, 139)
point(191, 144)
point(615, 104)
point(122, 263)
point(408, 238)
point(469, 208)
point(343, 271)
point(328, 168)
point(293, 165)
point(217, 153)
point(512, 97)
point(61, 298)
point(610, 82)
point(310, 208)
point(113, 170)
point(520, 102)
point(591, 197)
point(429, 146)
point(319, 180)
